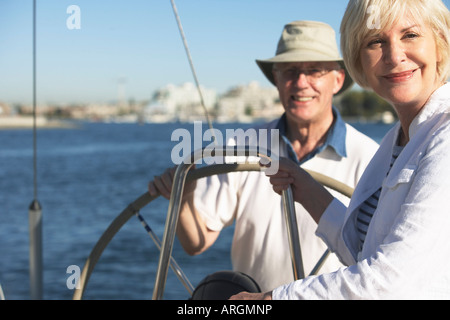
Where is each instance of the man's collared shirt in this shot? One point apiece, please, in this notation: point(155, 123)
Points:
point(335, 138)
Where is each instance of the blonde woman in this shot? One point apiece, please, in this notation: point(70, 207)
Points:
point(395, 234)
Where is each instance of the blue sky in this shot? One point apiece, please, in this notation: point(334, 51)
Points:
point(138, 41)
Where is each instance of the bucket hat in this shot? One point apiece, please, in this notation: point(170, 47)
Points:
point(306, 41)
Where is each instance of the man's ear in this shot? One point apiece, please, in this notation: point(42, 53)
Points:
point(339, 80)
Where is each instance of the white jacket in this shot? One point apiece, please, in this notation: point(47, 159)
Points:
point(406, 254)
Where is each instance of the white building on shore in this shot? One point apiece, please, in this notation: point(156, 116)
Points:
point(242, 103)
point(248, 103)
point(179, 103)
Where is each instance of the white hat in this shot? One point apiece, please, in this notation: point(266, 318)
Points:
point(305, 41)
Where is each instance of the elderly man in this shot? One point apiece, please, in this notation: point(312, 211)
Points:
point(308, 72)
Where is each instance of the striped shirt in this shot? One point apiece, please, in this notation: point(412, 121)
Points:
point(367, 209)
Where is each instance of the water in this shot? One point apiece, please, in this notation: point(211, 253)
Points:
point(86, 177)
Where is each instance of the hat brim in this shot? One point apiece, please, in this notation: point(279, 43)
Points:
point(267, 65)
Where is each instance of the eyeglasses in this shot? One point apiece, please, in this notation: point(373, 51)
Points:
point(312, 75)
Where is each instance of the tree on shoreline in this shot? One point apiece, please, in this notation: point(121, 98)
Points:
point(363, 104)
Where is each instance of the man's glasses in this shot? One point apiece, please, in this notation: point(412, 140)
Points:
point(312, 75)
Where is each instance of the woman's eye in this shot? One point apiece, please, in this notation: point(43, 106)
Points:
point(411, 35)
point(374, 42)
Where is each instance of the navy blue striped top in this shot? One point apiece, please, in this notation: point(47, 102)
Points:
point(367, 209)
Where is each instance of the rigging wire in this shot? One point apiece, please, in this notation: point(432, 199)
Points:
point(191, 64)
point(173, 264)
point(34, 105)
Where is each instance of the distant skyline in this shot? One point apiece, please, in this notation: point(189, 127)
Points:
point(136, 43)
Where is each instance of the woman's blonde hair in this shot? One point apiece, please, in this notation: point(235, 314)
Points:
point(363, 18)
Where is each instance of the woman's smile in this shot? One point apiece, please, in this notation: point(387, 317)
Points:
point(399, 77)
